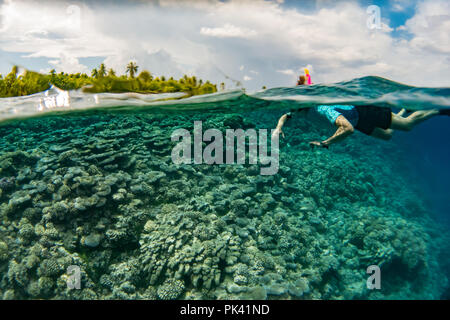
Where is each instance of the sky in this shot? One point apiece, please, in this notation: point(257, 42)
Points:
point(254, 42)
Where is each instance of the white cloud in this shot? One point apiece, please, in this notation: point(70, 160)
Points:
point(385, 27)
point(68, 64)
point(288, 72)
point(247, 78)
point(401, 5)
point(431, 27)
point(228, 31)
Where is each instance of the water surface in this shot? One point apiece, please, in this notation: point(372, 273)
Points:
point(88, 181)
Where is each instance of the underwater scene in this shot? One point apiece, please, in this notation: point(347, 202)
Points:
point(89, 189)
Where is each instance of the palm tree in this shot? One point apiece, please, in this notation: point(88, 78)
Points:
point(132, 68)
point(94, 73)
point(102, 71)
point(13, 73)
point(111, 72)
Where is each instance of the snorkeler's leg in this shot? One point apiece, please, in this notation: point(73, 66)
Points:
point(406, 124)
point(384, 134)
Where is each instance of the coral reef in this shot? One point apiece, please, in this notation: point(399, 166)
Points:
point(100, 192)
point(170, 289)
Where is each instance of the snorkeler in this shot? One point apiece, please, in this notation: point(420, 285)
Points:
point(304, 79)
point(377, 122)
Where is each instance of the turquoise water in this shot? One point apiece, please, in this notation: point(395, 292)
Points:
point(88, 181)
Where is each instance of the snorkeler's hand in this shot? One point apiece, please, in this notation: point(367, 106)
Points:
point(401, 112)
point(318, 144)
point(277, 132)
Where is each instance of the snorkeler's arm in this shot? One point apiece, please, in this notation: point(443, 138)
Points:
point(344, 129)
point(280, 124)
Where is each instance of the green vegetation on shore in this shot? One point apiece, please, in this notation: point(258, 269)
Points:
point(101, 80)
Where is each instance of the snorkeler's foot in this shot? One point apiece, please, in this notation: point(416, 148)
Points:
point(444, 112)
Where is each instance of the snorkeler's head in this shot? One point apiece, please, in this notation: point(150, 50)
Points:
point(302, 111)
point(301, 81)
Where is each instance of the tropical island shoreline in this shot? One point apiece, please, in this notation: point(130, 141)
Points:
point(101, 80)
